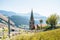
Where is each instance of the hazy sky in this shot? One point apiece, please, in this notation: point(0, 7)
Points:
point(43, 7)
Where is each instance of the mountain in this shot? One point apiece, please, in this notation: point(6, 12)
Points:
point(37, 17)
point(4, 21)
point(20, 18)
point(7, 13)
point(4, 18)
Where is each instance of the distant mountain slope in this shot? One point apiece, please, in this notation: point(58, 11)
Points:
point(37, 17)
point(7, 13)
point(20, 18)
point(5, 19)
point(4, 22)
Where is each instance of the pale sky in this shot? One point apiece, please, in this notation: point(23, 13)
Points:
point(43, 7)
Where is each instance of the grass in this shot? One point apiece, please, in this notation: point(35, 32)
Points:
point(47, 35)
point(4, 32)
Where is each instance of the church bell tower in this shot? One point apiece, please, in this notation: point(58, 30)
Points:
point(31, 22)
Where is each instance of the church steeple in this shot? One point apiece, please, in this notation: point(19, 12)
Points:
point(31, 14)
point(31, 25)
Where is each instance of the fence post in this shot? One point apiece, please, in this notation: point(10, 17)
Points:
point(8, 27)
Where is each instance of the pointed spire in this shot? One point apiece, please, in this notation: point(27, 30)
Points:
point(32, 15)
point(31, 21)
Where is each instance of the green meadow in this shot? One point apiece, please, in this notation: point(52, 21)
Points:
point(47, 35)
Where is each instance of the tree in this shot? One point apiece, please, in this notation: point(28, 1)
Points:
point(52, 20)
point(38, 27)
point(41, 21)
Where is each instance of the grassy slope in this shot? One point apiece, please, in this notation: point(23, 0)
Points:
point(48, 35)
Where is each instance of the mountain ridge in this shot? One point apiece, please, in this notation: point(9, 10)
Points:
point(23, 19)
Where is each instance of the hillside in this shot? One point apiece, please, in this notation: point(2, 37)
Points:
point(7, 13)
point(18, 20)
point(4, 21)
point(48, 35)
point(23, 18)
point(5, 18)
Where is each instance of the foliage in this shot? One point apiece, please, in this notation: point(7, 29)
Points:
point(4, 32)
point(38, 27)
point(41, 21)
point(52, 20)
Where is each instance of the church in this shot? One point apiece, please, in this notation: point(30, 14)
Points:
point(31, 22)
